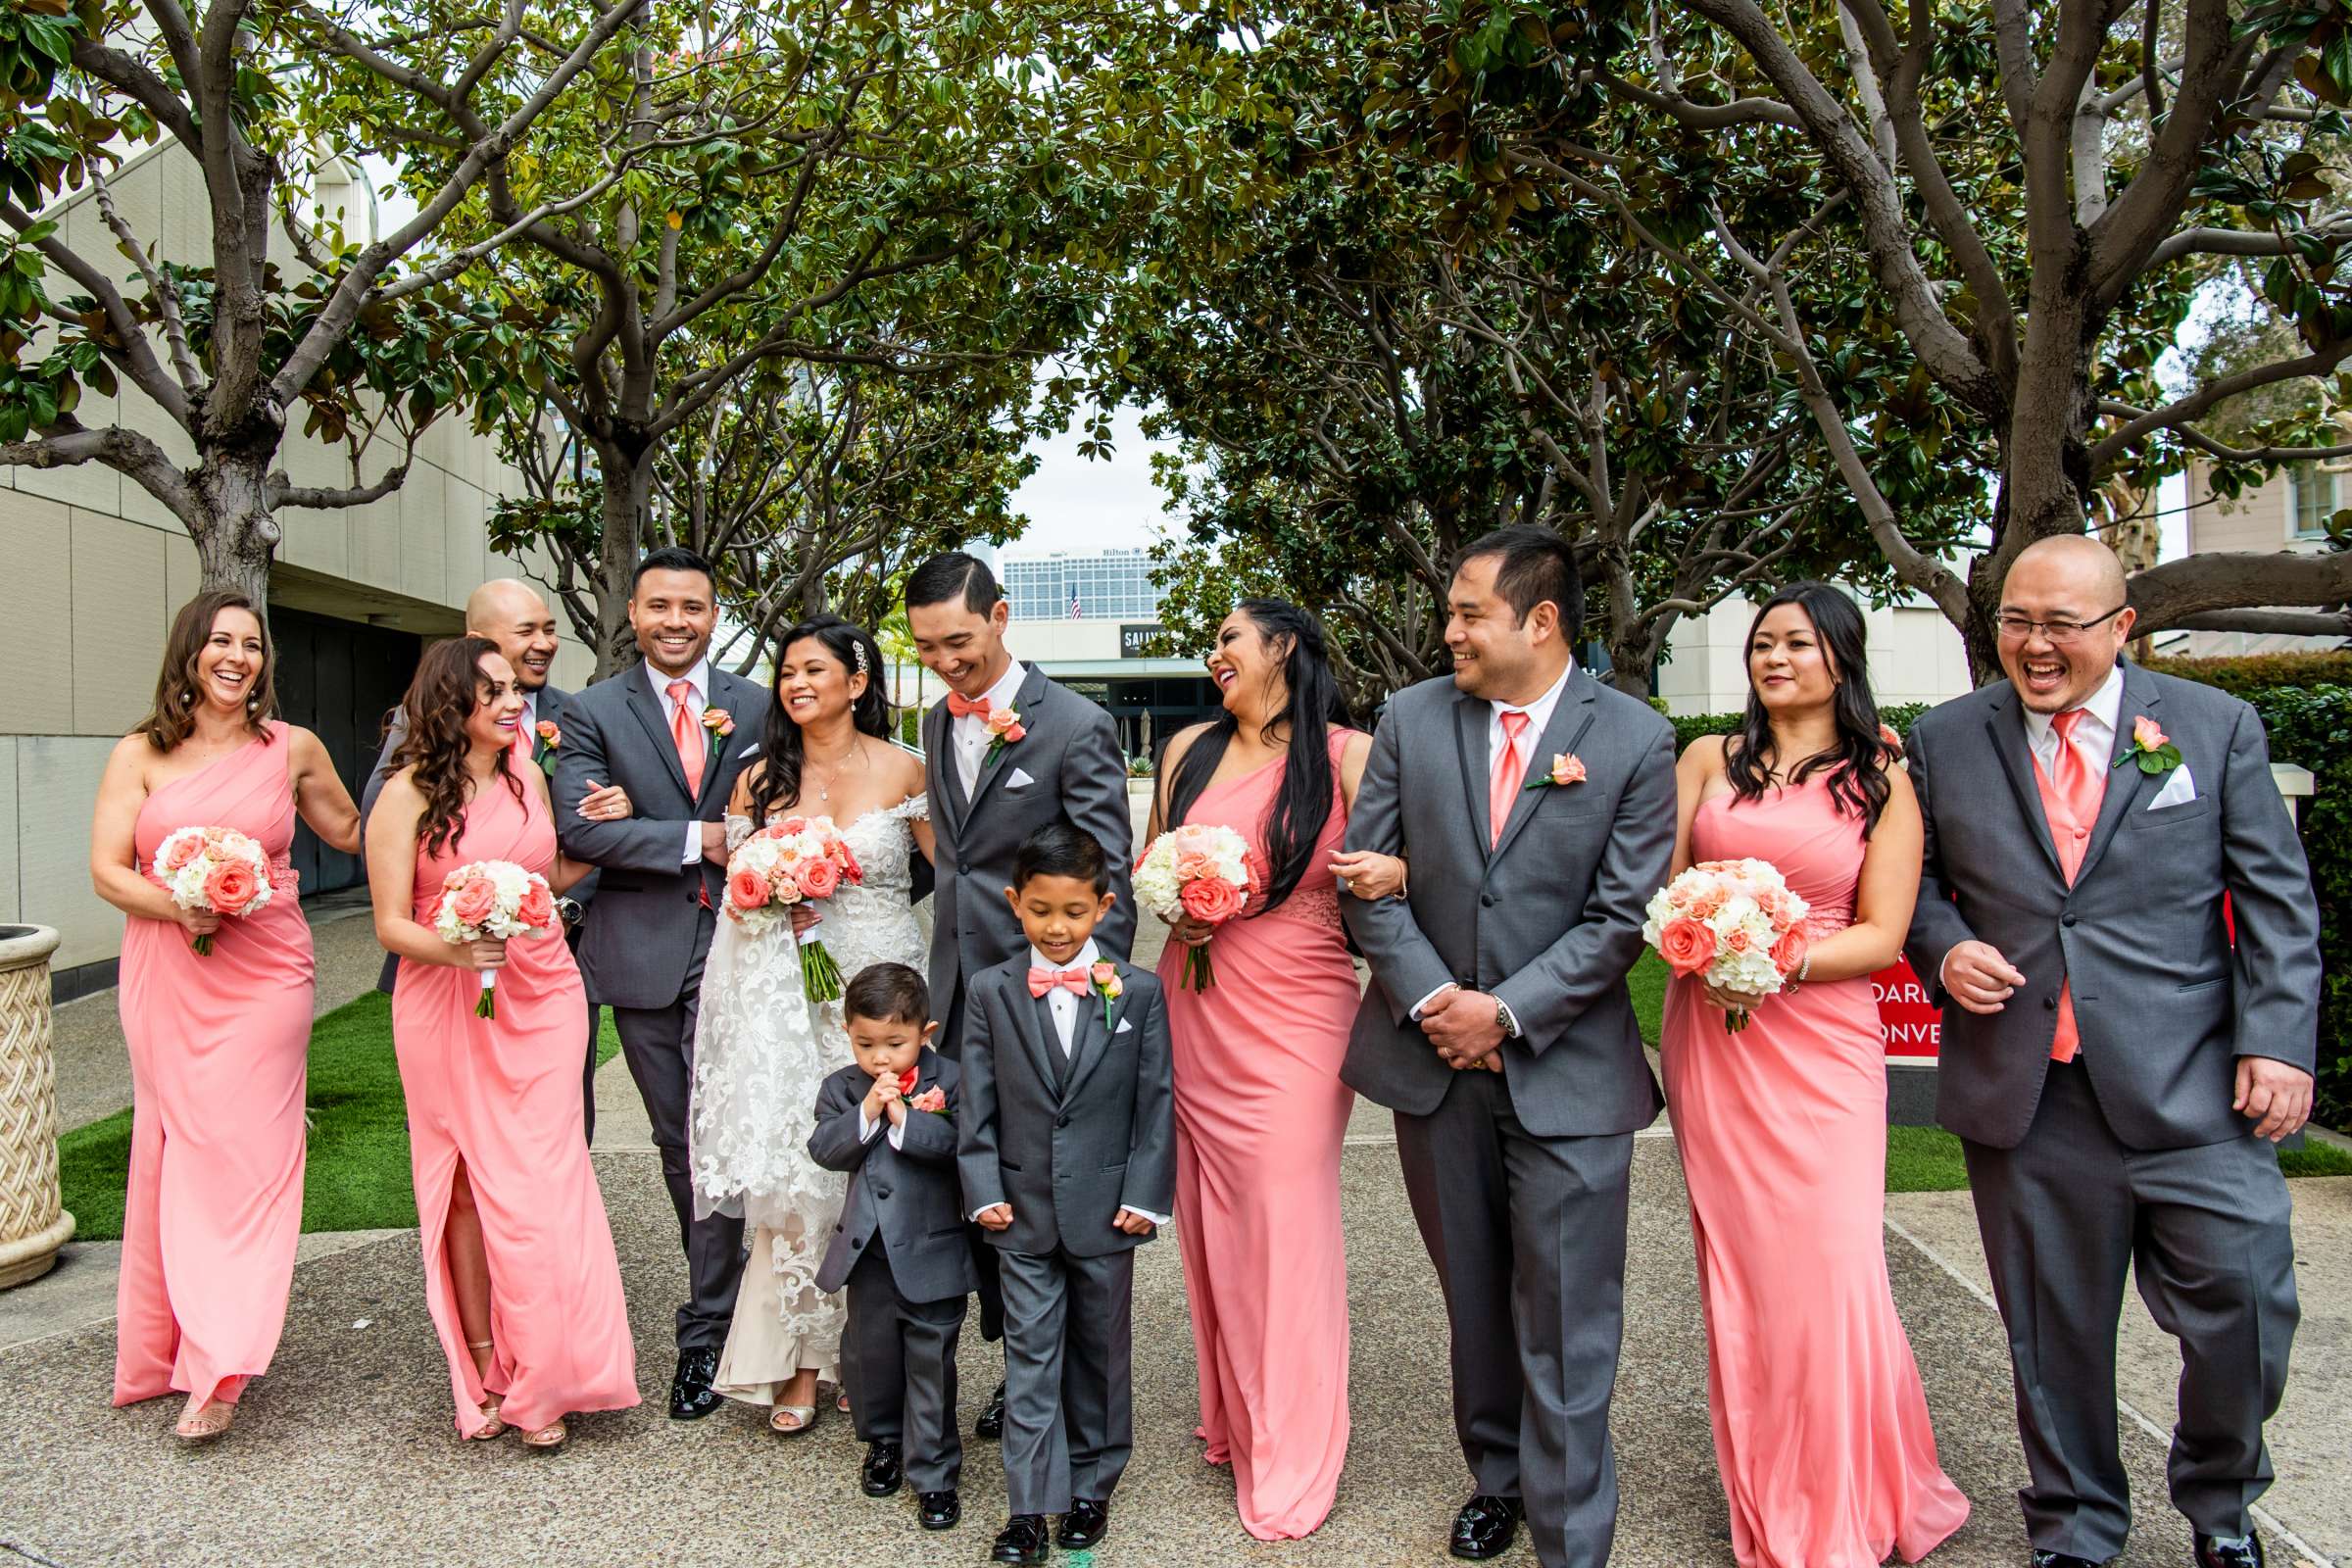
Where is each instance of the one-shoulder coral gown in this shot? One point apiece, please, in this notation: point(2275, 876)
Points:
point(220, 1050)
point(501, 1095)
point(1821, 1425)
point(1261, 1118)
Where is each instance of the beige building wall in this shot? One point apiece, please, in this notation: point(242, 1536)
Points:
point(89, 556)
point(1915, 657)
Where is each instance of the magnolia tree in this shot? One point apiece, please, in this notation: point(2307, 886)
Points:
point(2032, 191)
point(225, 344)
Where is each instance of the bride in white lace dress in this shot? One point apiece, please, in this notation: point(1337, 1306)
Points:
point(762, 1047)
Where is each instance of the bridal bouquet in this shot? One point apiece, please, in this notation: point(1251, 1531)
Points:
point(485, 899)
point(1734, 924)
point(787, 863)
point(1203, 871)
point(216, 870)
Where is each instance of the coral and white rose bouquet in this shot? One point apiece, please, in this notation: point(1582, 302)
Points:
point(789, 861)
point(1201, 871)
point(216, 870)
point(1735, 925)
point(493, 900)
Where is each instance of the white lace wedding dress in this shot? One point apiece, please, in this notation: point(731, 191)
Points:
point(760, 1051)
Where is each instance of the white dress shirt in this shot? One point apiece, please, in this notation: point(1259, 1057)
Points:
point(699, 677)
point(970, 733)
point(1064, 1004)
point(2094, 736)
point(1539, 718)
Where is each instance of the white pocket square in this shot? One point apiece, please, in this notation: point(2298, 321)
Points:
point(1018, 780)
point(1123, 1027)
point(749, 751)
point(2178, 790)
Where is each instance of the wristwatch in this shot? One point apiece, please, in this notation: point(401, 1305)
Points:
point(571, 912)
point(1504, 1021)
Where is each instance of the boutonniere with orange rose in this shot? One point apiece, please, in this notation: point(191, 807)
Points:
point(1004, 727)
point(550, 738)
point(719, 722)
point(1106, 977)
point(2151, 748)
point(933, 1099)
point(1566, 768)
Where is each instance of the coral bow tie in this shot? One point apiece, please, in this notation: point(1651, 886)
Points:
point(1042, 981)
point(963, 707)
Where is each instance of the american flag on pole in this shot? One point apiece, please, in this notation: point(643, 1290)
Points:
point(1077, 611)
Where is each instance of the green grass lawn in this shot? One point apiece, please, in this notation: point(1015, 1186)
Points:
point(358, 1167)
point(358, 1177)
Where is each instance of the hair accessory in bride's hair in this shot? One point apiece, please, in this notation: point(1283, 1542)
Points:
point(859, 648)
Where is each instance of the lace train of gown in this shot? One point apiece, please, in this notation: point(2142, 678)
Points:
point(760, 1051)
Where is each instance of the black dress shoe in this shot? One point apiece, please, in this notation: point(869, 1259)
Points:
point(1021, 1540)
point(2230, 1551)
point(1484, 1527)
point(992, 1420)
point(2060, 1559)
point(691, 1397)
point(1082, 1525)
point(884, 1473)
point(940, 1510)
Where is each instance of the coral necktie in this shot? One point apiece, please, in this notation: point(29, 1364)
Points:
point(1510, 771)
point(687, 731)
point(2080, 789)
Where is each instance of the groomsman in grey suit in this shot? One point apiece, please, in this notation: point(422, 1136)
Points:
point(987, 797)
point(672, 732)
point(1499, 1029)
point(2115, 1069)
point(510, 614)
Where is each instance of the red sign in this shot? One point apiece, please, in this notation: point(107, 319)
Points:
point(1912, 1025)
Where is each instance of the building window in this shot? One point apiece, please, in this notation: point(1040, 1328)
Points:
point(2311, 501)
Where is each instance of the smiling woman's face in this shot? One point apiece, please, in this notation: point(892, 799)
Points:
point(813, 684)
point(229, 668)
point(1246, 666)
point(1787, 663)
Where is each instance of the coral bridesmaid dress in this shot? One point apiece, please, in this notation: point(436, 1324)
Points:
point(502, 1096)
point(1260, 1116)
point(220, 1050)
point(1821, 1425)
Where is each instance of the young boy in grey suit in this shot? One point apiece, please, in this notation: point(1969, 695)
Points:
point(888, 1119)
point(1066, 1142)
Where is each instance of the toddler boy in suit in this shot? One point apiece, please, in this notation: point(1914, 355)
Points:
point(1066, 1142)
point(888, 1119)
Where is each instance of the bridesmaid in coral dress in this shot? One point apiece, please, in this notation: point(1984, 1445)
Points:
point(1821, 1424)
point(520, 1272)
point(219, 1043)
point(1260, 1111)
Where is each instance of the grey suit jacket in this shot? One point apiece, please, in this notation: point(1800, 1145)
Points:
point(1070, 754)
point(641, 939)
point(396, 729)
point(1067, 1160)
point(2164, 1004)
point(908, 1196)
point(1548, 920)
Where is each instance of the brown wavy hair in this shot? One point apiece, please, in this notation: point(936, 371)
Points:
point(448, 688)
point(178, 685)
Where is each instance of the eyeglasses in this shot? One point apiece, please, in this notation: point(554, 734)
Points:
point(2017, 629)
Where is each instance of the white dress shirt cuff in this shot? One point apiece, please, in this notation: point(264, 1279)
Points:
point(1415, 1015)
point(867, 1129)
point(1157, 1219)
point(693, 844)
point(975, 1214)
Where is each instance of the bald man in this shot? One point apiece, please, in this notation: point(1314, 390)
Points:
point(511, 614)
point(2117, 1070)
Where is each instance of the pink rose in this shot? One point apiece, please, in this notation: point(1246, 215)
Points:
point(1707, 905)
point(1567, 768)
point(1891, 740)
point(1002, 722)
point(1687, 945)
point(182, 851)
point(851, 871)
point(2147, 736)
point(537, 908)
point(933, 1099)
point(1211, 900)
point(747, 889)
point(1737, 940)
point(1011, 733)
point(1790, 951)
point(230, 886)
point(478, 899)
point(818, 878)
point(1106, 977)
point(1191, 863)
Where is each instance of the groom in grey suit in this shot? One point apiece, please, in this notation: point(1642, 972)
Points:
point(2117, 1068)
point(1499, 1029)
point(673, 732)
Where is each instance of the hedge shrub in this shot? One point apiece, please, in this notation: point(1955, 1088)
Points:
point(2305, 700)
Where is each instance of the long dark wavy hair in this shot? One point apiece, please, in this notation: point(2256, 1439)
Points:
point(448, 688)
point(779, 779)
point(178, 688)
point(1858, 760)
point(1303, 804)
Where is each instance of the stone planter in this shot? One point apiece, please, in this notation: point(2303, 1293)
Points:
point(32, 1225)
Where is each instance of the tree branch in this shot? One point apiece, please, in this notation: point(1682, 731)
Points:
point(2164, 595)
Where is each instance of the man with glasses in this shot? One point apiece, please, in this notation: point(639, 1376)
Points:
point(2116, 1069)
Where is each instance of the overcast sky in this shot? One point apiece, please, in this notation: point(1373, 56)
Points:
point(1075, 503)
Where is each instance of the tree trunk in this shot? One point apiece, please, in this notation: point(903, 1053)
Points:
point(236, 535)
point(628, 483)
